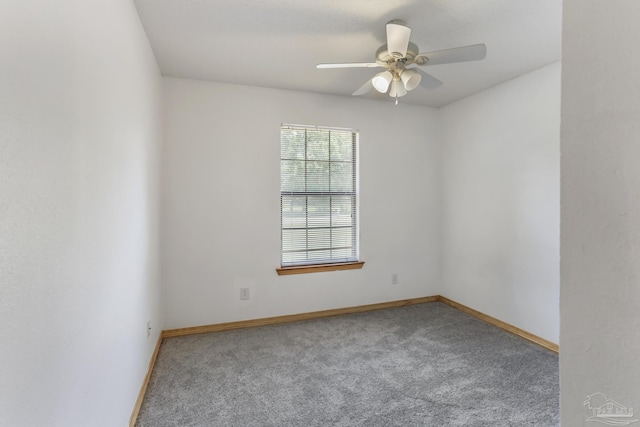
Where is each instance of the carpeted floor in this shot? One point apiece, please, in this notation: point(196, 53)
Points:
point(421, 365)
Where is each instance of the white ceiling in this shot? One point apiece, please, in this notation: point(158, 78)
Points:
point(277, 43)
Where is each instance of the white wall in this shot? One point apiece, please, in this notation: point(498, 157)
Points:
point(500, 201)
point(79, 150)
point(600, 238)
point(221, 202)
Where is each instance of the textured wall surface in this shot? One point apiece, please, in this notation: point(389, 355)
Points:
point(79, 132)
point(501, 201)
point(221, 197)
point(600, 233)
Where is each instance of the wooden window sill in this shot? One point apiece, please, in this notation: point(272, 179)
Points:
point(303, 269)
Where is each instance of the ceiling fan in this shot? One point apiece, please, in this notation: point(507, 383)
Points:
point(398, 53)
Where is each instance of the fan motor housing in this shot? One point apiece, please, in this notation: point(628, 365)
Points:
point(383, 56)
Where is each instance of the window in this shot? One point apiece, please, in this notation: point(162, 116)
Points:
point(318, 196)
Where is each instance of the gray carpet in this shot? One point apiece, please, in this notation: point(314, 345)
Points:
point(421, 365)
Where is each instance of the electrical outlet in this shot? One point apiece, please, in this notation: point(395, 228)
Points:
point(244, 293)
point(394, 279)
point(148, 328)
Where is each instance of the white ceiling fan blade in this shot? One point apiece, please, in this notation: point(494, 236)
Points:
point(398, 38)
point(428, 81)
point(364, 88)
point(473, 52)
point(350, 65)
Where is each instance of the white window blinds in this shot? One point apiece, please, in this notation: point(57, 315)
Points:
point(318, 195)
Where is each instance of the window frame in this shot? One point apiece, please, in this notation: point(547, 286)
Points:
point(332, 264)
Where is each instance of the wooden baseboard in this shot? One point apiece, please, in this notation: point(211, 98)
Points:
point(143, 389)
point(502, 325)
point(360, 309)
point(293, 317)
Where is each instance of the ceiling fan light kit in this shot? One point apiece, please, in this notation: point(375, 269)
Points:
point(397, 89)
point(398, 53)
point(381, 81)
point(410, 78)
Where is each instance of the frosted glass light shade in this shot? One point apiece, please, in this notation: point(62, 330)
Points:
point(410, 79)
point(381, 81)
point(397, 89)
